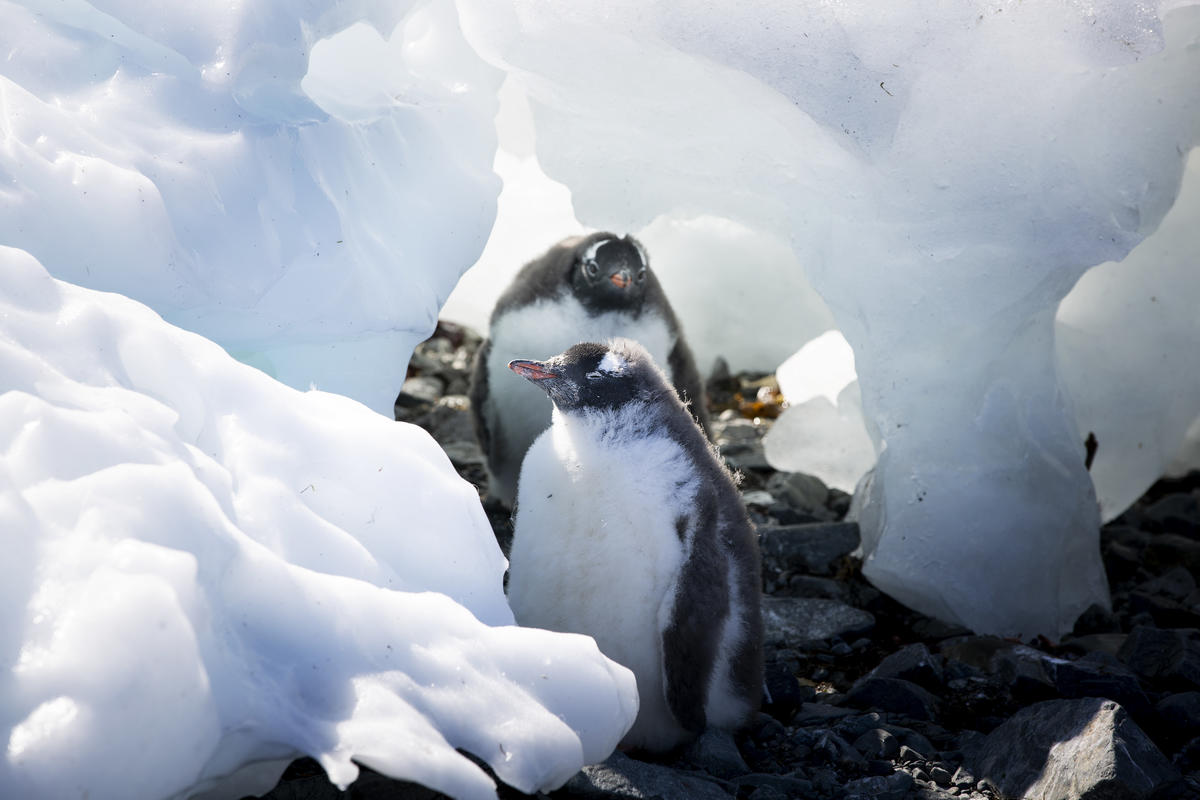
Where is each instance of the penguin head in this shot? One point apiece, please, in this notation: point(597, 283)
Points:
point(609, 272)
point(591, 376)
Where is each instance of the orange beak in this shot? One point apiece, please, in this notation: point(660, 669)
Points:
point(533, 370)
point(621, 279)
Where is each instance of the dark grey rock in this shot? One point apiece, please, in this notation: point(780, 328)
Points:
point(464, 454)
point(788, 785)
point(908, 755)
point(1169, 657)
point(912, 663)
point(449, 420)
point(1167, 550)
point(1096, 619)
point(962, 778)
point(1097, 643)
point(795, 620)
point(623, 778)
point(893, 787)
point(1071, 750)
point(819, 714)
point(715, 752)
point(909, 739)
point(1177, 513)
point(1100, 675)
point(739, 441)
point(940, 775)
point(813, 586)
point(782, 695)
point(895, 695)
point(1176, 583)
point(419, 390)
point(809, 548)
point(877, 743)
point(838, 751)
point(799, 491)
point(1026, 672)
point(1179, 714)
point(974, 651)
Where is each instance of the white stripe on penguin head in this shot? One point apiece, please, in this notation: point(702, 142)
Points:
point(590, 253)
point(612, 363)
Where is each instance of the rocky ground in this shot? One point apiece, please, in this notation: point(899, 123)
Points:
point(867, 699)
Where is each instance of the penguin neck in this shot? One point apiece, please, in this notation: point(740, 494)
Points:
point(611, 427)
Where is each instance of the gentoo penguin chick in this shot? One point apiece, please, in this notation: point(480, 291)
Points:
point(584, 288)
point(628, 528)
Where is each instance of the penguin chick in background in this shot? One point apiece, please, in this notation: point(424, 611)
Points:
point(584, 288)
point(629, 528)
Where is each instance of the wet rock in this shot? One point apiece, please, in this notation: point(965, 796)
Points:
point(715, 752)
point(623, 778)
point(1169, 657)
point(795, 620)
point(1072, 749)
point(895, 695)
point(912, 663)
point(811, 548)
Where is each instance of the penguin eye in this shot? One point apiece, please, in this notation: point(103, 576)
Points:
point(591, 268)
point(641, 276)
point(594, 376)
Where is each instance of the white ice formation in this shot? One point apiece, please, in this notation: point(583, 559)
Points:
point(204, 568)
point(306, 204)
point(304, 184)
point(944, 173)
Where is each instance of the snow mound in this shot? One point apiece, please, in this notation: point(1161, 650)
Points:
point(205, 568)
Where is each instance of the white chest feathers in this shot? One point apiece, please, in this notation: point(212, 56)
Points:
point(597, 550)
point(518, 411)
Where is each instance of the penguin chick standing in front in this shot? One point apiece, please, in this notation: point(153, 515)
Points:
point(584, 288)
point(629, 528)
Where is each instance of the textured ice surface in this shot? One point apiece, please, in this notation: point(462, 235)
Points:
point(301, 183)
point(204, 568)
point(944, 172)
point(822, 431)
point(1126, 336)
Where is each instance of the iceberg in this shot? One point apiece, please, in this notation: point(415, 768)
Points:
point(208, 573)
point(944, 174)
point(303, 185)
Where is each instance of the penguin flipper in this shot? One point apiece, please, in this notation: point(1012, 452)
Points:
point(694, 614)
point(478, 395)
point(688, 383)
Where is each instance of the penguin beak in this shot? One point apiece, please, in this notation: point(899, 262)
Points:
point(533, 370)
point(621, 279)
